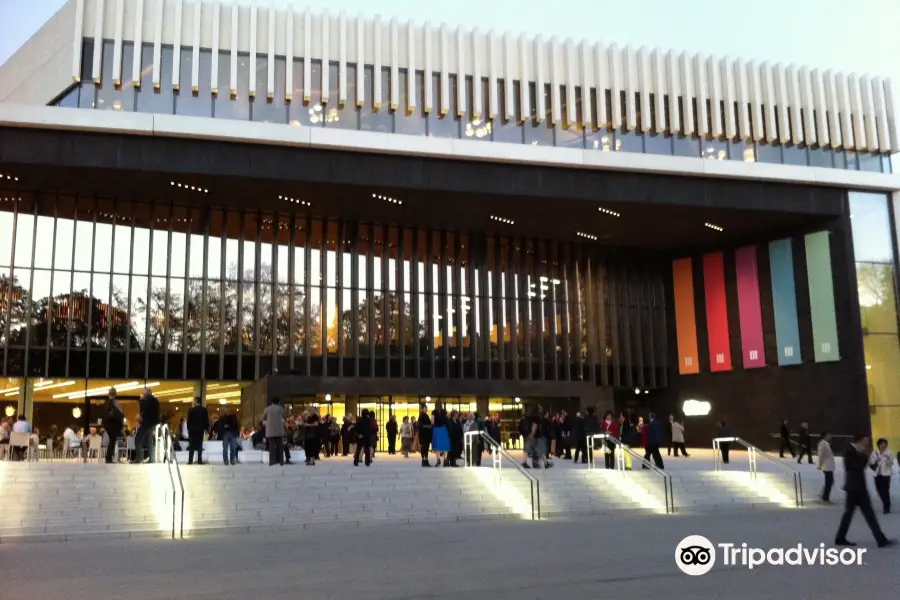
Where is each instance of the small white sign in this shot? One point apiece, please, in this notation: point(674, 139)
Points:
point(720, 359)
point(754, 355)
point(688, 361)
point(788, 351)
point(826, 347)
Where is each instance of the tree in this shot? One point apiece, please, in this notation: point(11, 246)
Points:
point(14, 308)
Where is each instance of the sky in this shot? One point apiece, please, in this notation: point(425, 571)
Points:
point(856, 36)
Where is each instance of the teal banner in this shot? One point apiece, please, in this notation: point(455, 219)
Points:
point(784, 299)
point(821, 297)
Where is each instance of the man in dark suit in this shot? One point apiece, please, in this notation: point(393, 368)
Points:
point(149, 419)
point(197, 425)
point(856, 459)
point(785, 440)
point(805, 442)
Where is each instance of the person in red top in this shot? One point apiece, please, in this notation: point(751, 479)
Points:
point(611, 427)
point(645, 433)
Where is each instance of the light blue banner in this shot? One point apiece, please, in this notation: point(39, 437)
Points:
point(784, 299)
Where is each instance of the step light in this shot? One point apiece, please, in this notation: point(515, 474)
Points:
point(606, 211)
point(294, 200)
point(387, 199)
point(713, 226)
point(190, 188)
point(587, 235)
point(503, 220)
point(8, 177)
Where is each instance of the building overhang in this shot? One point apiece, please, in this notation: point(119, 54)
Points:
point(197, 128)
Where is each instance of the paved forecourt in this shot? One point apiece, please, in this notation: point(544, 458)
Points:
point(615, 556)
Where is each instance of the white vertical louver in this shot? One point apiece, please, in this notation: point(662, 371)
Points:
point(307, 56)
point(138, 42)
point(631, 85)
point(445, 70)
point(571, 77)
point(216, 27)
point(823, 135)
point(195, 50)
point(342, 58)
point(714, 85)
point(254, 17)
point(644, 85)
point(477, 99)
point(868, 104)
point(807, 101)
point(846, 111)
point(744, 95)
point(603, 84)
point(702, 91)
point(757, 86)
point(176, 54)
point(395, 65)
point(555, 84)
point(326, 58)
point(157, 41)
point(729, 97)
point(509, 110)
point(659, 91)
point(97, 70)
point(411, 95)
point(793, 90)
point(495, 58)
point(429, 67)
point(587, 82)
point(289, 53)
point(673, 74)
point(540, 80)
point(688, 93)
point(460, 72)
point(891, 115)
point(117, 43)
point(360, 61)
point(78, 43)
point(525, 55)
point(881, 115)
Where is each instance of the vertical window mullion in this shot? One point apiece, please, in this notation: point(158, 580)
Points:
point(415, 287)
point(370, 298)
point(239, 342)
point(50, 299)
point(339, 293)
point(149, 293)
point(564, 258)
point(498, 306)
point(354, 299)
point(603, 318)
point(447, 322)
point(34, 222)
point(429, 298)
point(203, 296)
point(223, 288)
point(401, 288)
point(185, 298)
point(292, 321)
point(257, 289)
point(386, 314)
point(109, 304)
point(90, 308)
point(168, 298)
point(307, 330)
point(130, 292)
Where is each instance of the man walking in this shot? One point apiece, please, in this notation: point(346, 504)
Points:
point(426, 430)
point(856, 459)
point(805, 443)
point(825, 457)
point(654, 441)
point(149, 419)
point(392, 430)
point(228, 430)
point(197, 425)
point(273, 421)
point(785, 440)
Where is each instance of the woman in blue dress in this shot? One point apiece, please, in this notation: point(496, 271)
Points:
point(440, 441)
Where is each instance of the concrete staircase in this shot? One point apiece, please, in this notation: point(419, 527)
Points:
point(59, 501)
point(331, 494)
point(569, 491)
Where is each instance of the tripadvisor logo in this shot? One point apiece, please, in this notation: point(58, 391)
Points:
point(696, 555)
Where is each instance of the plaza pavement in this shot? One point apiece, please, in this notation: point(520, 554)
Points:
point(599, 557)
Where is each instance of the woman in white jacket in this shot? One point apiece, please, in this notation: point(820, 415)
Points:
point(825, 457)
point(678, 437)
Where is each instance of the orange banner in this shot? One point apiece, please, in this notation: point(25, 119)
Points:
point(685, 319)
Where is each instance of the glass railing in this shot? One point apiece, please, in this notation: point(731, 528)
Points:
point(164, 449)
point(512, 477)
point(621, 453)
point(753, 455)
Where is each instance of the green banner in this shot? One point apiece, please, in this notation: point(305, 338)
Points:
point(821, 297)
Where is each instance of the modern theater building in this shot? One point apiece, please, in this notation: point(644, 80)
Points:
point(227, 199)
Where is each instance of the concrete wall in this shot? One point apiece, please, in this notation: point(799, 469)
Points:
point(42, 68)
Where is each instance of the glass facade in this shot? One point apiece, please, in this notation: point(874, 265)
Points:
point(94, 287)
point(874, 250)
point(366, 114)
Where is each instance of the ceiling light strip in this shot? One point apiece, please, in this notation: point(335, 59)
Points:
point(503, 220)
point(186, 187)
point(387, 199)
point(713, 226)
point(587, 235)
point(294, 200)
point(606, 211)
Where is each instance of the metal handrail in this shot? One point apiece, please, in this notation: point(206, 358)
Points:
point(166, 441)
point(752, 453)
point(620, 450)
point(498, 453)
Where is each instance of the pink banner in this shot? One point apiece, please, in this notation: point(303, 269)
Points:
point(752, 346)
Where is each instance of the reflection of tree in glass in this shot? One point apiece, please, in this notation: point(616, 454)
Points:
point(875, 283)
point(15, 297)
point(361, 315)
